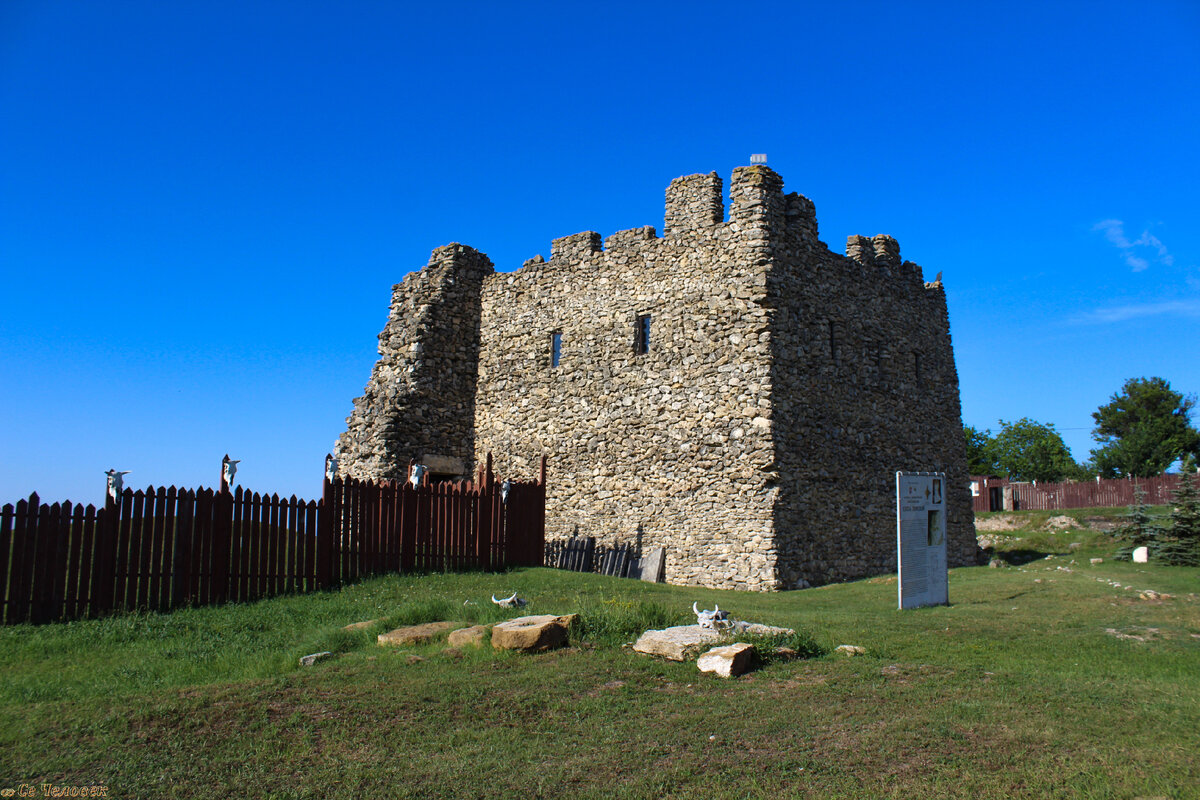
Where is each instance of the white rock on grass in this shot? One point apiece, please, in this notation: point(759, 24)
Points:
point(1141, 555)
point(851, 650)
point(309, 660)
point(728, 661)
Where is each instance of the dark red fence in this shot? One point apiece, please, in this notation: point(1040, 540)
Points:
point(167, 548)
point(995, 494)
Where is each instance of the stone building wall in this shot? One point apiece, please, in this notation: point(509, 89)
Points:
point(665, 447)
point(756, 440)
point(420, 400)
point(865, 386)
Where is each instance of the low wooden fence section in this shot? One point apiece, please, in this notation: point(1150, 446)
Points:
point(168, 548)
point(1084, 494)
point(389, 526)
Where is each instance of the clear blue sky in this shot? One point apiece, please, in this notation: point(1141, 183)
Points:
point(203, 205)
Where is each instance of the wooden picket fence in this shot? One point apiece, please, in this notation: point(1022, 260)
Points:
point(161, 549)
point(1082, 494)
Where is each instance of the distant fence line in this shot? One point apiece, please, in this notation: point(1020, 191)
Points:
point(167, 548)
point(1001, 494)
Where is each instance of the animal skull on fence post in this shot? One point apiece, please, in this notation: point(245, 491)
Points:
point(228, 470)
point(418, 474)
point(115, 484)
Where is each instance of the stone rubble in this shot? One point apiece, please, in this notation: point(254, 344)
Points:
point(727, 661)
point(685, 642)
point(532, 634)
point(474, 636)
point(415, 634)
point(678, 643)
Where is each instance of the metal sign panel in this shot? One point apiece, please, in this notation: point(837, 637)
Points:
point(758, 158)
point(921, 539)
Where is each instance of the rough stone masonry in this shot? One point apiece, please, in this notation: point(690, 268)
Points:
point(731, 390)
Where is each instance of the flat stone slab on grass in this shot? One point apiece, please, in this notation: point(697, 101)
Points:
point(680, 643)
point(532, 634)
point(358, 626)
point(685, 642)
point(475, 635)
point(415, 634)
point(758, 629)
point(728, 661)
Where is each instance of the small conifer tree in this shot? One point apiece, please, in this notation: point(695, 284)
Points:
point(1182, 545)
point(1141, 530)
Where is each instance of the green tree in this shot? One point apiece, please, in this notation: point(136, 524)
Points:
point(1183, 547)
point(1143, 429)
point(980, 458)
point(1026, 450)
point(1141, 529)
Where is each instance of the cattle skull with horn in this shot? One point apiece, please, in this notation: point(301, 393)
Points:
point(711, 619)
point(509, 602)
point(115, 483)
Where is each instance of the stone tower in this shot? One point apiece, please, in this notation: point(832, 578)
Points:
point(732, 390)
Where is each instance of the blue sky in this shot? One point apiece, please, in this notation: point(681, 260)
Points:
point(203, 205)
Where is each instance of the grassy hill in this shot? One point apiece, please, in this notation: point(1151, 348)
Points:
point(1048, 677)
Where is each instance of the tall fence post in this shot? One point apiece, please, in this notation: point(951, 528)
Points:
point(222, 538)
point(181, 567)
point(104, 563)
point(7, 515)
point(326, 512)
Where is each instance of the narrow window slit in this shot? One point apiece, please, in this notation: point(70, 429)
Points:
point(641, 343)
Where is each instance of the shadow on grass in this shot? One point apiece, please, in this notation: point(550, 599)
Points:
point(1023, 556)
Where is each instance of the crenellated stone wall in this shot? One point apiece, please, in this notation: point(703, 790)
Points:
point(758, 435)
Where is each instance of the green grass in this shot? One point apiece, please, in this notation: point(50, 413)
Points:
point(1017, 689)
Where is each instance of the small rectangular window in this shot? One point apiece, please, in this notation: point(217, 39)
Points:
point(642, 341)
point(917, 367)
point(555, 348)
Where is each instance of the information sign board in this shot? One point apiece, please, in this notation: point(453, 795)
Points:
point(921, 539)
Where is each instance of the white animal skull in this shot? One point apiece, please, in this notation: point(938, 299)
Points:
point(229, 469)
point(711, 619)
point(418, 472)
point(509, 602)
point(116, 483)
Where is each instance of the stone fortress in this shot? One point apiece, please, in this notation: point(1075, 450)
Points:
point(732, 390)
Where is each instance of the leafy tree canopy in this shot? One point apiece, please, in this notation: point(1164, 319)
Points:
point(980, 458)
point(1026, 450)
point(1143, 429)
